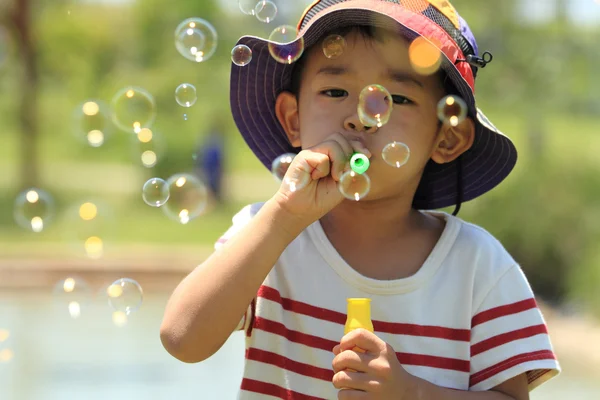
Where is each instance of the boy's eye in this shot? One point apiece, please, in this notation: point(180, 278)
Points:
point(335, 93)
point(397, 99)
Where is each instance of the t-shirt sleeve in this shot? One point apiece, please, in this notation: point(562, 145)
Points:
point(509, 336)
point(240, 220)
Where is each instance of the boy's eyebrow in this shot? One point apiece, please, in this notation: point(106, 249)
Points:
point(395, 75)
point(404, 77)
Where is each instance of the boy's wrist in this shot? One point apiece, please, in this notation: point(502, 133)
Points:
point(286, 222)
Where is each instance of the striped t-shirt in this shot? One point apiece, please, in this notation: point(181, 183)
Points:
point(466, 320)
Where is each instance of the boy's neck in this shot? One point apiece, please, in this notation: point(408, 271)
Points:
point(374, 220)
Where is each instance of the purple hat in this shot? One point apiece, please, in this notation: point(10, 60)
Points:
point(255, 87)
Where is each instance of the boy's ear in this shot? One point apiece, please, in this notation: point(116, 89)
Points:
point(452, 141)
point(286, 109)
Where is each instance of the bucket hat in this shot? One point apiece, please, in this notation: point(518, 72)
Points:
point(254, 89)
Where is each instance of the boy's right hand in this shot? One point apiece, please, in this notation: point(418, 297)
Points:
point(319, 169)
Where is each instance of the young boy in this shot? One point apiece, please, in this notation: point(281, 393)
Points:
point(453, 314)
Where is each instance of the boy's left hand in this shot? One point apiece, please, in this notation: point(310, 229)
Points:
point(378, 375)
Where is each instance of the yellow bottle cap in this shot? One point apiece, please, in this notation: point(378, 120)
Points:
point(359, 315)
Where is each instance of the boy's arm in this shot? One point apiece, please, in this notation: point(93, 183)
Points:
point(512, 389)
point(207, 305)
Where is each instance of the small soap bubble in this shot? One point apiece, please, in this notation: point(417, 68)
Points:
point(71, 295)
point(241, 55)
point(155, 192)
point(374, 106)
point(354, 186)
point(33, 209)
point(125, 295)
point(196, 39)
point(334, 46)
point(188, 198)
point(247, 6)
point(265, 11)
point(452, 110)
point(279, 169)
point(425, 55)
point(133, 108)
point(283, 46)
point(185, 94)
point(92, 122)
point(395, 154)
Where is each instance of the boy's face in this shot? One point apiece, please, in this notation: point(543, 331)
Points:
point(328, 101)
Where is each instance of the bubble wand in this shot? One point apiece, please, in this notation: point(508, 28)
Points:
point(359, 163)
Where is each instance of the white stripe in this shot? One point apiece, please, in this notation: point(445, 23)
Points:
point(508, 350)
point(441, 377)
point(506, 324)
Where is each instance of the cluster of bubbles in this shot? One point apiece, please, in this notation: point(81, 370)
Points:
point(264, 10)
point(182, 196)
point(124, 296)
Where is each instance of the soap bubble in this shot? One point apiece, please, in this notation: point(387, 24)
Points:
point(185, 94)
point(196, 39)
point(354, 186)
point(334, 46)
point(265, 11)
point(247, 6)
point(425, 57)
point(93, 122)
point(452, 110)
point(375, 106)
point(155, 192)
point(133, 108)
point(396, 154)
point(148, 147)
point(70, 295)
point(279, 168)
point(283, 46)
point(188, 198)
point(125, 295)
point(33, 209)
point(241, 55)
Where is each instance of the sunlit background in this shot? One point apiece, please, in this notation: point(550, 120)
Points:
point(110, 112)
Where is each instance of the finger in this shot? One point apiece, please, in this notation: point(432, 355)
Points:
point(352, 359)
point(363, 339)
point(343, 142)
point(336, 349)
point(318, 164)
point(351, 380)
point(359, 147)
point(337, 156)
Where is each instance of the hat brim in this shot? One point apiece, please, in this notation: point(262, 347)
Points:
point(254, 89)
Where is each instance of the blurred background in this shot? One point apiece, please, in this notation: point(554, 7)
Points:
point(74, 74)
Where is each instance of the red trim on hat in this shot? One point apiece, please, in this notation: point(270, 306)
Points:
point(419, 23)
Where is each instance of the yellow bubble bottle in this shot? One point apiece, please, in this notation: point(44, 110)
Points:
point(358, 316)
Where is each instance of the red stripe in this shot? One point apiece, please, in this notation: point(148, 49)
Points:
point(298, 307)
point(270, 389)
point(503, 311)
point(294, 336)
point(280, 361)
point(453, 364)
point(509, 363)
point(507, 337)
point(316, 342)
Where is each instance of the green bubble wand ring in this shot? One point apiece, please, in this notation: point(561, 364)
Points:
point(359, 163)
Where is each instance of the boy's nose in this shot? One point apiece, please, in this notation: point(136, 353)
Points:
point(353, 123)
